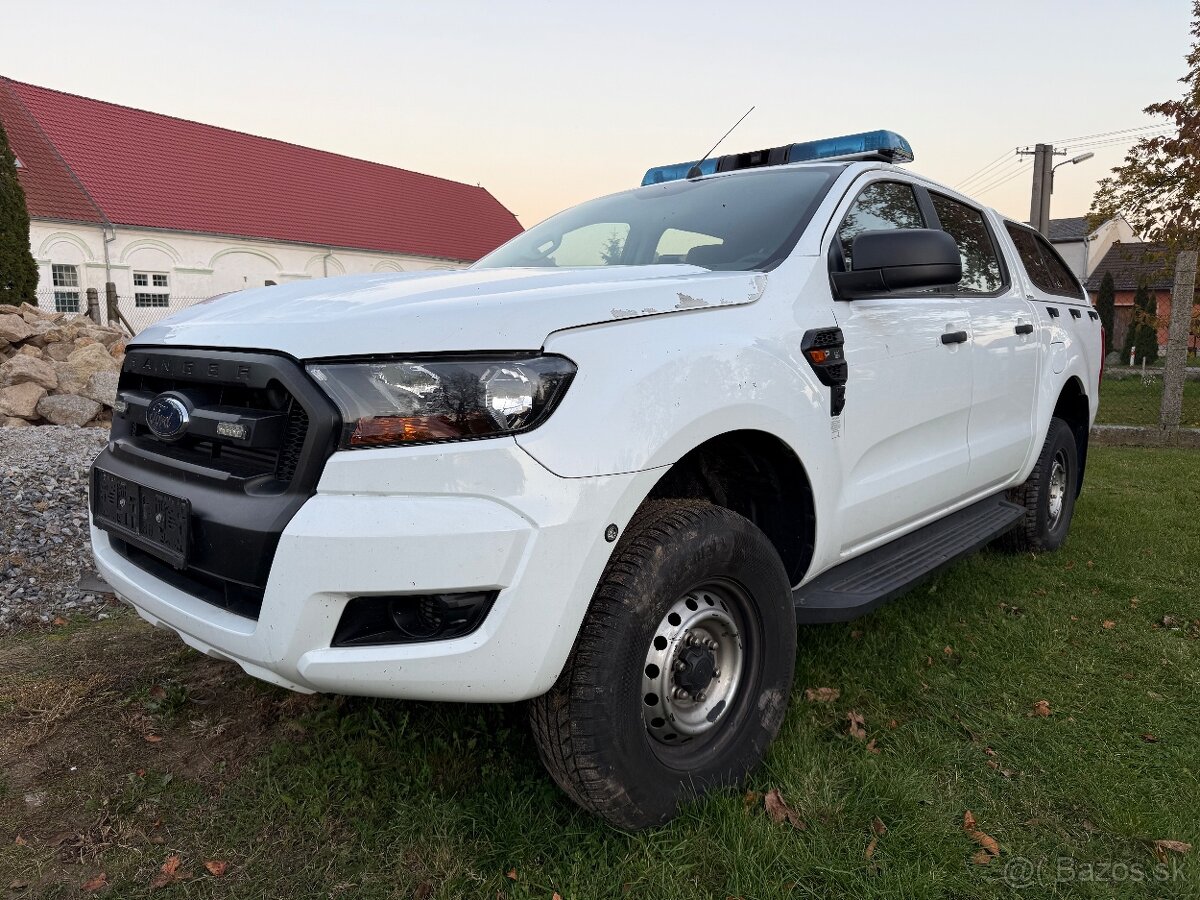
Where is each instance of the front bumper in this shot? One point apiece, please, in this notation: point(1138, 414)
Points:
point(471, 516)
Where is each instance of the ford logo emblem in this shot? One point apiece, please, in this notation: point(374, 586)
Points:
point(167, 417)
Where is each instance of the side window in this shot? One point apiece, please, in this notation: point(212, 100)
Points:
point(1068, 284)
point(1046, 270)
point(980, 266)
point(881, 205)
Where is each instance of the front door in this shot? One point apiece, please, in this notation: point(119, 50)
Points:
point(903, 434)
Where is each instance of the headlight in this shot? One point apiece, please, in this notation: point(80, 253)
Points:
point(391, 402)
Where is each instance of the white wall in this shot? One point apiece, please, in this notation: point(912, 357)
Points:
point(1101, 240)
point(196, 266)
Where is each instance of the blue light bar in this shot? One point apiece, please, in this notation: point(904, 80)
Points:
point(883, 146)
point(679, 170)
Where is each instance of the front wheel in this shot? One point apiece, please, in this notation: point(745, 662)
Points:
point(1048, 495)
point(682, 670)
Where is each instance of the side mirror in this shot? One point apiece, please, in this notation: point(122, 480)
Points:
point(895, 260)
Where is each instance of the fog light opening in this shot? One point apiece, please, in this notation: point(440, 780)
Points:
point(410, 619)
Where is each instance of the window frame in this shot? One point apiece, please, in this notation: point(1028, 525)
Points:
point(64, 291)
point(837, 251)
point(997, 248)
point(1043, 245)
point(150, 294)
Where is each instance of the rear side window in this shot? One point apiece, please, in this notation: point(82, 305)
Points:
point(881, 206)
point(980, 265)
point(1046, 269)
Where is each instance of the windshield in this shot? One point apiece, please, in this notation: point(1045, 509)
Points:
point(737, 223)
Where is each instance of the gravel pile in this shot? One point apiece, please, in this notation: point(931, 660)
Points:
point(44, 543)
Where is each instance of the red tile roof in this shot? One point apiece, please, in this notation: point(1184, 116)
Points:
point(51, 191)
point(151, 170)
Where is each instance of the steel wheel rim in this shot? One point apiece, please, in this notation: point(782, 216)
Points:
point(1058, 487)
point(704, 622)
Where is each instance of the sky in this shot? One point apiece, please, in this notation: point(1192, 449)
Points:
point(547, 104)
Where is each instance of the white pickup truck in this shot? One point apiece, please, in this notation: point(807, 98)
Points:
point(611, 466)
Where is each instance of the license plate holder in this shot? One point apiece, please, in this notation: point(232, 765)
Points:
point(155, 522)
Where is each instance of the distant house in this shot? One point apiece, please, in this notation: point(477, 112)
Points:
point(174, 211)
point(1130, 264)
point(1081, 248)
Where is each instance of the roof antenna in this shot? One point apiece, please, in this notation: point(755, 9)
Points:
point(694, 171)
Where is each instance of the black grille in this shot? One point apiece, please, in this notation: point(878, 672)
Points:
point(293, 443)
point(242, 599)
point(224, 455)
point(242, 488)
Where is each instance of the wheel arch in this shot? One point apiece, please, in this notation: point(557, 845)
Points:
point(1072, 406)
point(757, 475)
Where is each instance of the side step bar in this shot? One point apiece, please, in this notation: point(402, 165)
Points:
point(864, 583)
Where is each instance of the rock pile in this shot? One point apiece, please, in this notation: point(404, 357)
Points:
point(55, 370)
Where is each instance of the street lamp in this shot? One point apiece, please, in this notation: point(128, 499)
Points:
point(1073, 161)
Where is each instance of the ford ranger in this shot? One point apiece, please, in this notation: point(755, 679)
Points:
point(610, 467)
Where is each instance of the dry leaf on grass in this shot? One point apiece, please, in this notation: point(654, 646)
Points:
point(216, 867)
point(1162, 847)
point(169, 873)
point(780, 812)
point(151, 738)
point(990, 847)
point(556, 896)
point(1041, 708)
point(512, 874)
point(878, 829)
point(1149, 738)
point(871, 746)
point(1108, 623)
point(857, 723)
point(948, 650)
point(821, 694)
point(751, 800)
point(94, 884)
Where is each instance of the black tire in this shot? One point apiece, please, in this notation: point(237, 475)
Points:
point(1040, 530)
point(590, 728)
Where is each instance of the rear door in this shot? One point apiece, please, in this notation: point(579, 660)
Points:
point(902, 438)
point(1004, 350)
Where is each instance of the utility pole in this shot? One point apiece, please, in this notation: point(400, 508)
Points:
point(1039, 206)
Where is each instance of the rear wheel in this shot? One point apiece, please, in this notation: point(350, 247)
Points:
point(681, 673)
point(1048, 495)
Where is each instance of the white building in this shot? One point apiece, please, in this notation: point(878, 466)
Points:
point(1082, 249)
point(172, 211)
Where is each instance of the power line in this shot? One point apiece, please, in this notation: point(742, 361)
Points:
point(991, 187)
point(974, 175)
point(1128, 139)
point(1104, 134)
point(998, 175)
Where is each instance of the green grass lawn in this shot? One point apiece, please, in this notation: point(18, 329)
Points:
point(1127, 401)
point(175, 754)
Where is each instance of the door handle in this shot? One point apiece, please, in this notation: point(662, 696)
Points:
point(954, 337)
point(1024, 328)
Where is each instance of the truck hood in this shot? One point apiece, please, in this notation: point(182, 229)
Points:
point(423, 312)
